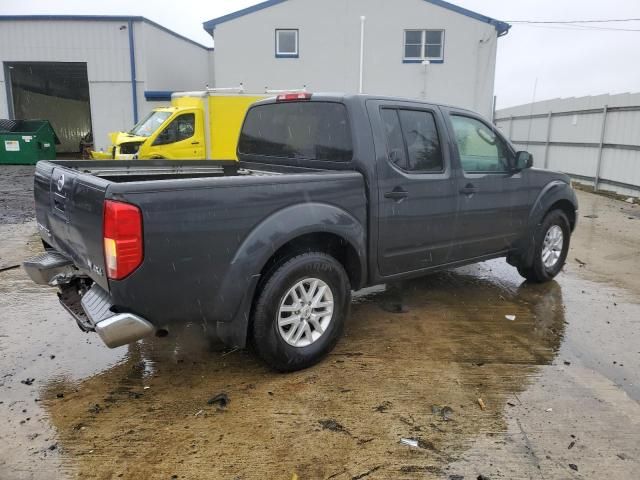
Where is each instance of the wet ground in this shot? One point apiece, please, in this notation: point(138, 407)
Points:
point(552, 394)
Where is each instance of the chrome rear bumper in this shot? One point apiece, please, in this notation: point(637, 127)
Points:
point(122, 329)
point(90, 307)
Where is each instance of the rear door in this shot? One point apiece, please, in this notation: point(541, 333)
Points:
point(416, 187)
point(494, 201)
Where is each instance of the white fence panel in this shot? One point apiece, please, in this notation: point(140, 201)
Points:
point(594, 139)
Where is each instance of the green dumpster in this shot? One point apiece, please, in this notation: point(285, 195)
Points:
point(24, 142)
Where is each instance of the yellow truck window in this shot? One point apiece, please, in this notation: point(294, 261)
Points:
point(181, 128)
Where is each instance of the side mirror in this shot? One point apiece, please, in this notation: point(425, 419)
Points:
point(523, 160)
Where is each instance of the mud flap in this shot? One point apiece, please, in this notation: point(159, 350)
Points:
point(234, 333)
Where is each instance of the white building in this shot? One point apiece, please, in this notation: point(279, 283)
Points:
point(99, 73)
point(292, 43)
point(102, 73)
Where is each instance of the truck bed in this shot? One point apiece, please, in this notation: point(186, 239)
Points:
point(123, 171)
point(199, 218)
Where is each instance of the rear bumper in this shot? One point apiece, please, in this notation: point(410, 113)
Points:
point(115, 329)
point(48, 267)
point(122, 329)
point(92, 309)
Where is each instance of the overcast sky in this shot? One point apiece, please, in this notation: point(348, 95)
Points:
point(567, 61)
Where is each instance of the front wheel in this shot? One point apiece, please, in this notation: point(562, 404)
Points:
point(551, 247)
point(300, 312)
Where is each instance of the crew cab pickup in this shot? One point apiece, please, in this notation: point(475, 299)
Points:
point(331, 193)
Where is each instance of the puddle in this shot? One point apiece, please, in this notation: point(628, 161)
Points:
point(142, 410)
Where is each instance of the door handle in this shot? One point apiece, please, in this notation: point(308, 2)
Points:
point(469, 189)
point(396, 194)
point(195, 143)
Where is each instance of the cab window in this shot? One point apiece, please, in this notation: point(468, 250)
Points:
point(181, 128)
point(480, 149)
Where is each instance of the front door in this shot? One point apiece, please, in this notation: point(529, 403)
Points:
point(181, 139)
point(494, 202)
point(417, 196)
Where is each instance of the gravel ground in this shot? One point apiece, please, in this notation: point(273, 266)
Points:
point(16, 194)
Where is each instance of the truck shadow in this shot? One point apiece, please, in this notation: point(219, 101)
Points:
point(449, 344)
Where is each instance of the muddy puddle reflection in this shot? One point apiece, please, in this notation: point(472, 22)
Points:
point(409, 351)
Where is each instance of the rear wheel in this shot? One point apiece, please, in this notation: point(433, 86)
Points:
point(551, 247)
point(300, 312)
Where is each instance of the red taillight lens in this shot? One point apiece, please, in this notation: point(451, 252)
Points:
point(122, 232)
point(292, 97)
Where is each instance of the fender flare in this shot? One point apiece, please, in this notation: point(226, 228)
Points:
point(553, 192)
point(283, 226)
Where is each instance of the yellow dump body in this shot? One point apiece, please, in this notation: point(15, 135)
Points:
point(211, 131)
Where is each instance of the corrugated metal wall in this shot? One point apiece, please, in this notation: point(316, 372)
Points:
point(596, 140)
point(163, 61)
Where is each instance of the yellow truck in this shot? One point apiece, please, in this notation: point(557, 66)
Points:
point(197, 126)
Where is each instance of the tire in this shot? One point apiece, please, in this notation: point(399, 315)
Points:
point(539, 271)
point(276, 306)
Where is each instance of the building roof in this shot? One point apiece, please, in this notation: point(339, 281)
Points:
point(100, 18)
point(501, 27)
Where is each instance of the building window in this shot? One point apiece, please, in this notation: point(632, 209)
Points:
point(422, 45)
point(286, 43)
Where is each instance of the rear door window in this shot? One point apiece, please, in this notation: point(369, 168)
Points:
point(395, 144)
point(412, 140)
point(298, 130)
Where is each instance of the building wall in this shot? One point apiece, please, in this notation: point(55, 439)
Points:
point(163, 62)
point(171, 63)
point(329, 46)
point(569, 139)
point(101, 45)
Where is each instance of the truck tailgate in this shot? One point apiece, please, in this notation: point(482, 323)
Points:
point(69, 207)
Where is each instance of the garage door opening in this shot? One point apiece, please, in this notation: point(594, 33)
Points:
point(54, 91)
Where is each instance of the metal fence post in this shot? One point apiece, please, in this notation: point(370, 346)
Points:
point(510, 126)
point(600, 148)
point(546, 145)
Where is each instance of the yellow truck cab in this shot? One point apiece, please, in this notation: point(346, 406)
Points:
point(197, 126)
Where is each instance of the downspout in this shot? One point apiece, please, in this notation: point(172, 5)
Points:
point(362, 20)
point(132, 60)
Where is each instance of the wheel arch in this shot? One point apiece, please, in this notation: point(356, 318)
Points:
point(566, 207)
point(295, 229)
point(556, 194)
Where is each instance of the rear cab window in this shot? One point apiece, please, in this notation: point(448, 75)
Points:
point(314, 131)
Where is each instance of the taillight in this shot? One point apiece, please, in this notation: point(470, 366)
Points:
point(292, 97)
point(122, 232)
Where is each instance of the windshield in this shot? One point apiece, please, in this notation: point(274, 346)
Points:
point(147, 126)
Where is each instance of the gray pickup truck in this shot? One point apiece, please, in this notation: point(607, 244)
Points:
point(331, 194)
